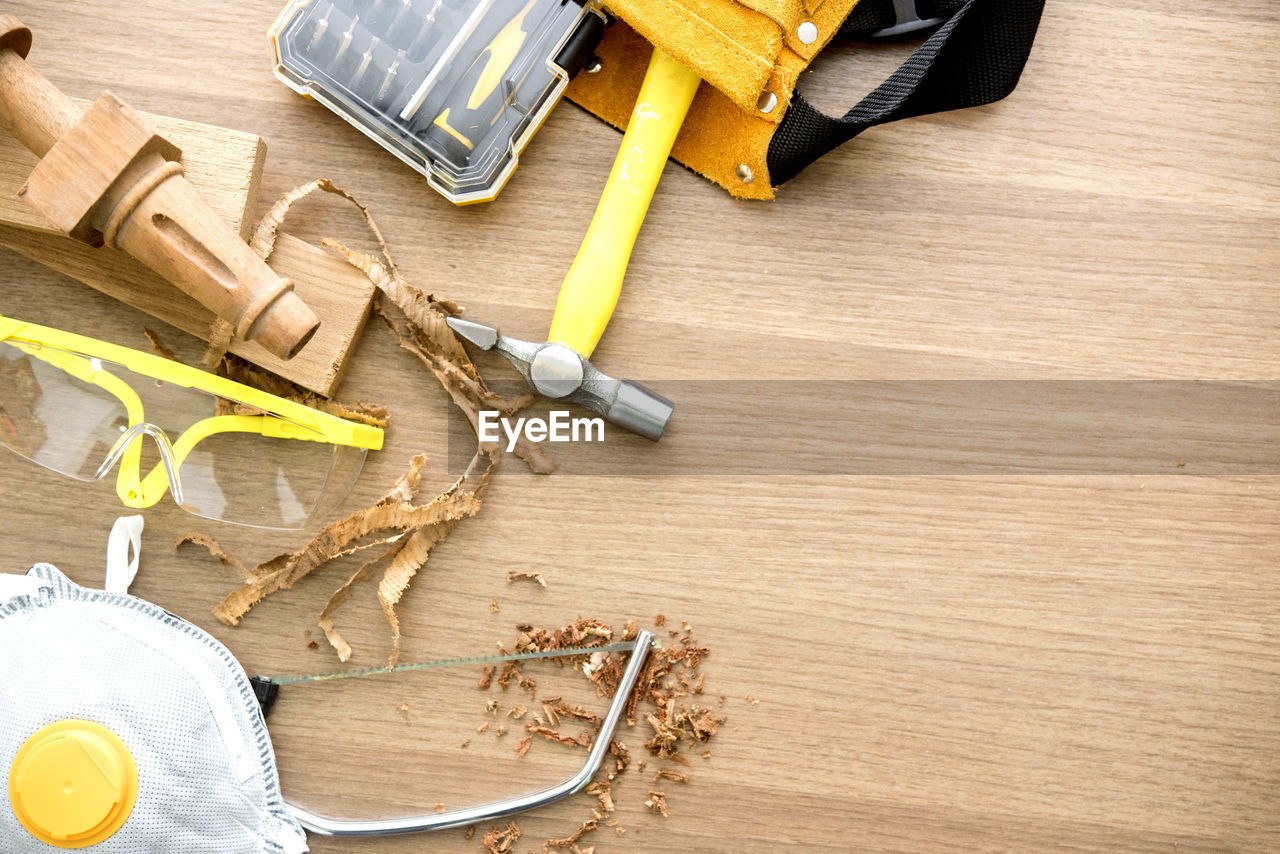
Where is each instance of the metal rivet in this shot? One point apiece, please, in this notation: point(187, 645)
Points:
point(807, 33)
point(745, 175)
point(594, 66)
point(767, 102)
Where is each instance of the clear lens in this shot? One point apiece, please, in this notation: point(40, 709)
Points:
point(265, 482)
point(54, 419)
point(58, 409)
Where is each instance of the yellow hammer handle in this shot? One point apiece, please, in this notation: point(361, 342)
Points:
point(593, 283)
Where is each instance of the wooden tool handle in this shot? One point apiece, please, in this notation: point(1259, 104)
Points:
point(106, 177)
point(31, 108)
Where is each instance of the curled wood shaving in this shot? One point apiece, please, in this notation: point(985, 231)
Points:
point(407, 528)
point(423, 525)
point(246, 373)
point(439, 349)
point(263, 241)
point(227, 560)
point(342, 593)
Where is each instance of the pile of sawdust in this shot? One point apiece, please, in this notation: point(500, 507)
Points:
point(669, 704)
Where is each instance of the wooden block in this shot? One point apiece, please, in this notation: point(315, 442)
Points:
point(335, 290)
point(225, 166)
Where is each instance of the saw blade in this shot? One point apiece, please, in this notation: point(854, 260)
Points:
point(295, 679)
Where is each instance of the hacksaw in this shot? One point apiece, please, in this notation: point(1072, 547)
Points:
point(326, 826)
point(295, 679)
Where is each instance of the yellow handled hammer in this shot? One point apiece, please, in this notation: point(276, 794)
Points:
point(559, 368)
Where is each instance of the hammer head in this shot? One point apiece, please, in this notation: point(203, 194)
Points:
point(560, 373)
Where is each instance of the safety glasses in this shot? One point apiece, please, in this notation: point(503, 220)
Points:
point(223, 450)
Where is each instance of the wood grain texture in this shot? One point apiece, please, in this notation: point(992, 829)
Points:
point(942, 663)
point(225, 164)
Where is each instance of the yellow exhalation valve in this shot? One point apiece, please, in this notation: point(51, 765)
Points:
point(73, 784)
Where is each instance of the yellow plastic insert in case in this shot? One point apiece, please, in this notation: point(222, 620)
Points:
point(73, 784)
point(454, 88)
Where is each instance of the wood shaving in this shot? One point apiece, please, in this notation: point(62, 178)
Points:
point(234, 368)
point(510, 670)
point(484, 727)
point(752, 700)
point(158, 347)
point(657, 804)
point(486, 679)
point(572, 839)
point(406, 527)
point(582, 740)
point(422, 527)
point(523, 575)
point(501, 840)
point(516, 712)
point(662, 704)
point(220, 335)
point(603, 792)
point(469, 832)
point(563, 708)
point(494, 606)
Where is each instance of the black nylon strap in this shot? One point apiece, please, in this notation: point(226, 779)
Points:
point(974, 58)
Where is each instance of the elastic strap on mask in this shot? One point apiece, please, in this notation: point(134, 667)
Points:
point(124, 547)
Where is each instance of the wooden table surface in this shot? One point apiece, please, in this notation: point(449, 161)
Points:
point(942, 662)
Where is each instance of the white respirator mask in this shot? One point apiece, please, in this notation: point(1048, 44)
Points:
point(129, 730)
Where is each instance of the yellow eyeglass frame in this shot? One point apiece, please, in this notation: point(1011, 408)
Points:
point(283, 419)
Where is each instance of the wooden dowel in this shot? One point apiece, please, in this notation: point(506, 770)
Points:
point(106, 177)
point(31, 108)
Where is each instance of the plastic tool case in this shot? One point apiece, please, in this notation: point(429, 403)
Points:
point(454, 88)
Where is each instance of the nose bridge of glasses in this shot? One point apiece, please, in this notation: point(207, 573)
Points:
point(132, 490)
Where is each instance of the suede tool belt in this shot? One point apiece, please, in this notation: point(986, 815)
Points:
point(749, 130)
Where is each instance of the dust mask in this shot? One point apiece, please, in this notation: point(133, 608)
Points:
point(127, 729)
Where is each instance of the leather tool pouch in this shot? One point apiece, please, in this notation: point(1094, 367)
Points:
point(749, 130)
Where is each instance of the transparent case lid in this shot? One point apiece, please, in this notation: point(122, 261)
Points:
point(454, 88)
